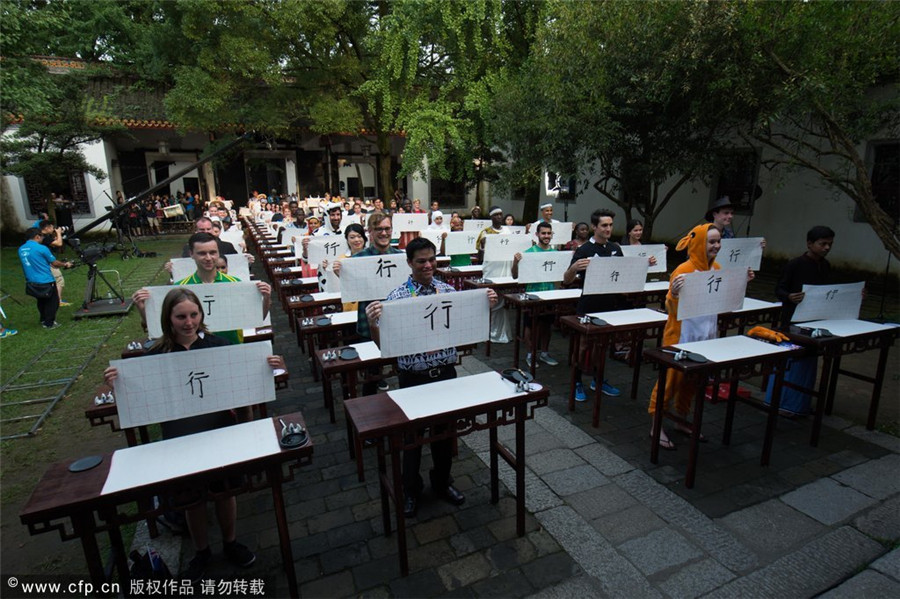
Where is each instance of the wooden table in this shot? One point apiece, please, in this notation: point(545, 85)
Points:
point(631, 326)
point(753, 312)
point(849, 337)
point(559, 301)
point(730, 359)
point(319, 334)
point(456, 275)
point(380, 418)
point(75, 504)
point(313, 306)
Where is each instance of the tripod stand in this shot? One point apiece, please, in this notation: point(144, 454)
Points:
point(91, 295)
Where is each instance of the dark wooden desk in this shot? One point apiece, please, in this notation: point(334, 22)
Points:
point(74, 503)
point(769, 359)
point(754, 312)
point(339, 330)
point(298, 309)
point(455, 276)
point(558, 301)
point(623, 326)
point(850, 337)
point(378, 417)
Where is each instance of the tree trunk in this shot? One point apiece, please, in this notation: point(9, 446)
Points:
point(385, 181)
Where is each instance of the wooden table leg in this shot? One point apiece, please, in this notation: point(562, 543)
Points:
point(696, 426)
point(397, 476)
point(772, 418)
point(575, 362)
point(495, 462)
point(517, 336)
point(520, 469)
point(602, 348)
point(84, 526)
point(658, 414)
point(821, 397)
point(284, 536)
point(832, 383)
point(879, 380)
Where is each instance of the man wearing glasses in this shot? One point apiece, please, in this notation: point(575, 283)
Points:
point(380, 228)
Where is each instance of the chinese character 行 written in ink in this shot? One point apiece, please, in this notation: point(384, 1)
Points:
point(198, 377)
point(713, 280)
point(446, 306)
point(384, 268)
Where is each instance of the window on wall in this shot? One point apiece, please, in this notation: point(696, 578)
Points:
point(738, 179)
point(884, 162)
point(450, 194)
point(74, 189)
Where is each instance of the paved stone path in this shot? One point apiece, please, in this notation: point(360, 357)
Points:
point(602, 520)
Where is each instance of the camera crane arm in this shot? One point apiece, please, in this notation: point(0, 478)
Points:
point(72, 237)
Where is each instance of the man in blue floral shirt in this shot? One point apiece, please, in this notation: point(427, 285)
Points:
point(421, 369)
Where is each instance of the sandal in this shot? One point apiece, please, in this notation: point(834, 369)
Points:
point(665, 443)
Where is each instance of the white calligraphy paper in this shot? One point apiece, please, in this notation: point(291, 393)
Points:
point(726, 349)
point(435, 236)
point(712, 292)
point(615, 275)
point(235, 237)
point(238, 266)
point(173, 211)
point(849, 328)
point(476, 224)
point(562, 233)
point(451, 395)
point(372, 277)
point(410, 222)
point(329, 248)
point(432, 322)
point(543, 267)
point(460, 242)
point(151, 463)
point(502, 248)
point(645, 251)
point(516, 229)
point(744, 252)
point(175, 385)
point(226, 306)
point(182, 268)
point(835, 302)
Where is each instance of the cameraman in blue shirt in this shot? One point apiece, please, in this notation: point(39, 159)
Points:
point(40, 284)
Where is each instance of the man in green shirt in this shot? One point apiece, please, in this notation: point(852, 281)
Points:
point(204, 250)
point(545, 321)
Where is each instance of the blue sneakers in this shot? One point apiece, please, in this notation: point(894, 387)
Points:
point(579, 392)
point(609, 390)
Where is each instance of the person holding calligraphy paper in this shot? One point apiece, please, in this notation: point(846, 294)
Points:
point(812, 268)
point(421, 369)
point(702, 244)
point(183, 330)
point(205, 252)
point(356, 242)
point(380, 227)
point(599, 245)
point(501, 323)
point(544, 322)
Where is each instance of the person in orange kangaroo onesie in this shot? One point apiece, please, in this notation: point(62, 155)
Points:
point(702, 243)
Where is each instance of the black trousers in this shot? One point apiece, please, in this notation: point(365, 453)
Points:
point(47, 307)
point(441, 451)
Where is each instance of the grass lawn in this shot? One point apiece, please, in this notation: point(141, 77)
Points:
point(65, 434)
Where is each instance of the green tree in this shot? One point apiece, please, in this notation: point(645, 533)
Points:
point(613, 93)
point(819, 80)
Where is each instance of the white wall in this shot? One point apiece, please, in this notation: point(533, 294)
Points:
point(791, 204)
